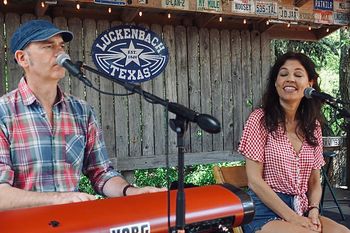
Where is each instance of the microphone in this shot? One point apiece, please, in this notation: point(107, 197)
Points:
point(310, 92)
point(206, 122)
point(64, 60)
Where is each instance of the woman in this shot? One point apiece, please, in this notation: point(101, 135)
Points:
point(282, 143)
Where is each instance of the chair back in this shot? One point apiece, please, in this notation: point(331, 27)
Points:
point(235, 175)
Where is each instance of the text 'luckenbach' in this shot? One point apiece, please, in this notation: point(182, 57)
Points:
point(130, 33)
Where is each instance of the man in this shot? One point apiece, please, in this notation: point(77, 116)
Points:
point(48, 139)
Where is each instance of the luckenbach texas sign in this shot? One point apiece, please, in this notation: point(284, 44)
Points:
point(130, 53)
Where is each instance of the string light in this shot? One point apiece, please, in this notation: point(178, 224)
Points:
point(220, 19)
point(267, 22)
point(288, 25)
point(109, 10)
point(169, 15)
point(5, 2)
point(42, 4)
point(309, 28)
point(140, 13)
point(244, 21)
point(78, 6)
point(327, 30)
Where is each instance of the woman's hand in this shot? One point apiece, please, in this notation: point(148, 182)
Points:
point(305, 222)
point(315, 218)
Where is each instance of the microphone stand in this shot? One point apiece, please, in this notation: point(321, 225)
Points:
point(178, 125)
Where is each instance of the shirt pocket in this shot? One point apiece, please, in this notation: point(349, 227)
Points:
point(75, 148)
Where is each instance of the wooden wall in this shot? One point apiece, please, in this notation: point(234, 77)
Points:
point(218, 72)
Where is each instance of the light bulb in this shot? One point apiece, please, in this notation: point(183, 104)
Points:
point(220, 19)
point(5, 2)
point(140, 13)
point(109, 10)
point(309, 28)
point(78, 6)
point(288, 25)
point(244, 21)
point(169, 15)
point(327, 30)
point(42, 4)
point(268, 22)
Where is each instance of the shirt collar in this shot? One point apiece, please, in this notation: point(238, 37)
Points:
point(28, 96)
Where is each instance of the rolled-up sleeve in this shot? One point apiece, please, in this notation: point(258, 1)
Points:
point(97, 165)
point(6, 172)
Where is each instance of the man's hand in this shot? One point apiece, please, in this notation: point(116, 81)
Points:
point(148, 189)
point(70, 197)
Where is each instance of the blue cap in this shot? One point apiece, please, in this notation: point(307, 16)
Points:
point(36, 30)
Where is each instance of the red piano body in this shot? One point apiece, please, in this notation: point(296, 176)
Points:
point(208, 209)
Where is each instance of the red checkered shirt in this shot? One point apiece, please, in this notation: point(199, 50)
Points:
point(39, 157)
point(284, 170)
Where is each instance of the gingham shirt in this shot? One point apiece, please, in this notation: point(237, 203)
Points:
point(36, 156)
point(284, 170)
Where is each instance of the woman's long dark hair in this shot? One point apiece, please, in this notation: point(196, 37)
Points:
point(309, 110)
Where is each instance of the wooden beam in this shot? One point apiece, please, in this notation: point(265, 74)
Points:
point(324, 31)
point(262, 26)
point(300, 3)
point(41, 8)
point(146, 162)
point(129, 14)
point(202, 20)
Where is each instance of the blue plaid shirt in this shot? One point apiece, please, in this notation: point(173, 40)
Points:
point(36, 156)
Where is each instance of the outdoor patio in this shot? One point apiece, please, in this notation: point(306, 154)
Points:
point(343, 197)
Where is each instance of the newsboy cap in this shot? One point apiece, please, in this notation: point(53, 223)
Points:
point(36, 30)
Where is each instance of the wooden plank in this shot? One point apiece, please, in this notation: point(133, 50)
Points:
point(147, 118)
point(216, 84)
point(106, 101)
point(205, 83)
point(121, 117)
point(227, 90)
point(237, 80)
point(3, 78)
point(170, 80)
point(147, 162)
point(161, 125)
point(12, 22)
point(76, 54)
point(246, 74)
point(27, 17)
point(256, 69)
point(135, 135)
point(182, 75)
point(92, 96)
point(194, 85)
point(266, 59)
point(61, 23)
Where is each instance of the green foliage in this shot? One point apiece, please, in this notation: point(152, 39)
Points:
point(85, 186)
point(197, 174)
point(324, 52)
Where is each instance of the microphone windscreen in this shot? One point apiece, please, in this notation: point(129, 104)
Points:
point(61, 58)
point(308, 92)
point(208, 123)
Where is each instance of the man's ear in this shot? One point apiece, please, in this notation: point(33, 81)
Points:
point(20, 57)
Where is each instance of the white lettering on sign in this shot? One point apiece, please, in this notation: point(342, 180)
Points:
point(209, 5)
point(243, 6)
point(177, 4)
